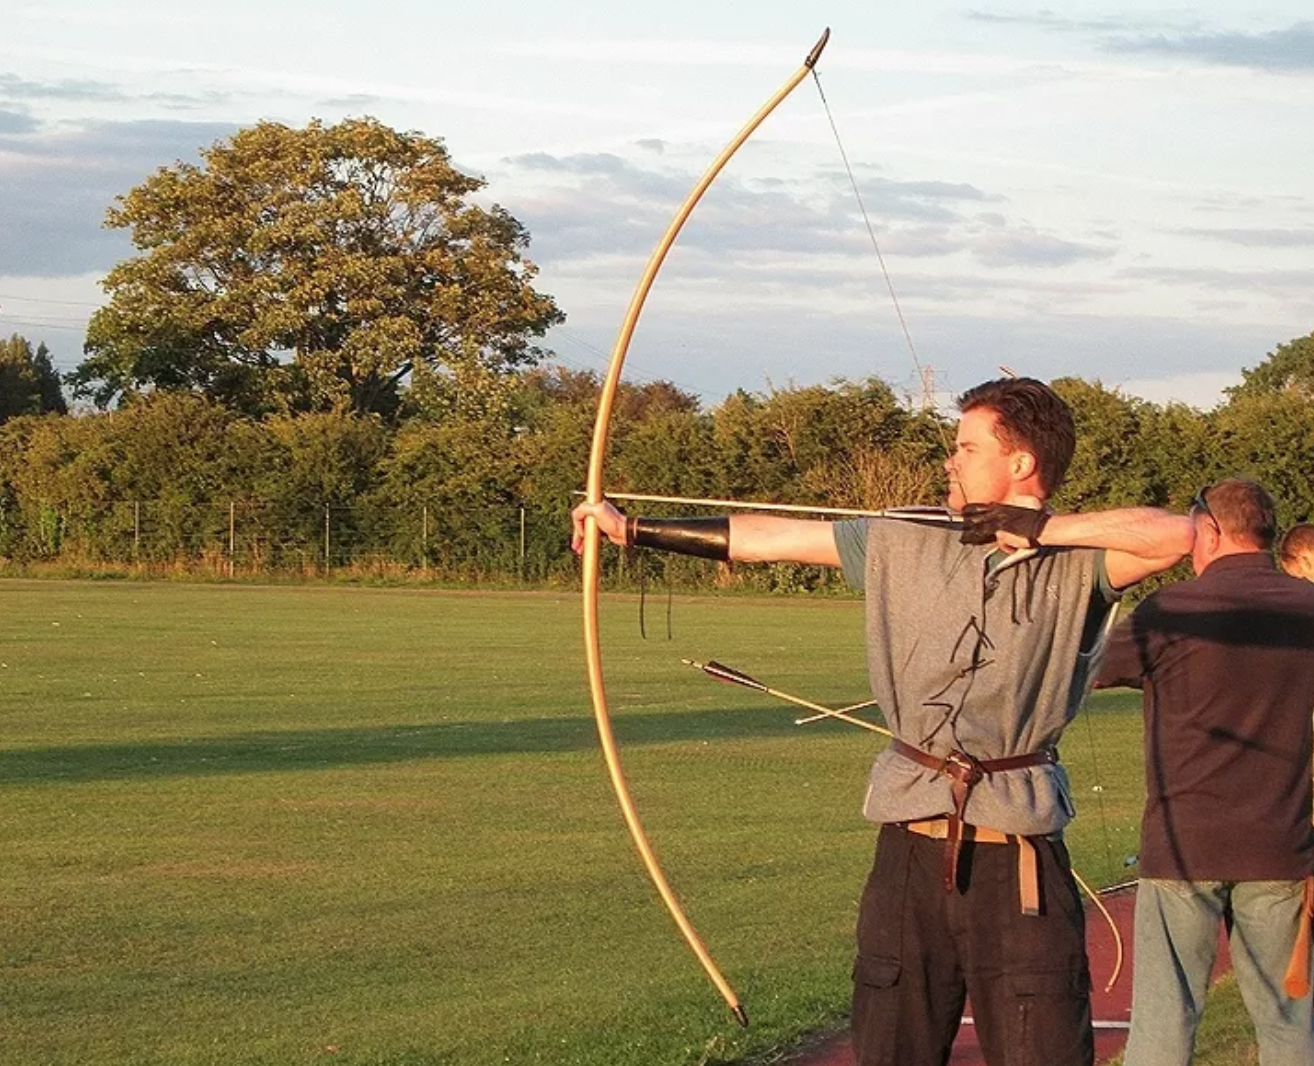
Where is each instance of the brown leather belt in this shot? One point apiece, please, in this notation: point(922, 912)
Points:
point(1028, 871)
point(964, 772)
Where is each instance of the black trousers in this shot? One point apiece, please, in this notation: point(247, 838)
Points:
point(922, 951)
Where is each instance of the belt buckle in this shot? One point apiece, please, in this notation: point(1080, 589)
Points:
point(961, 767)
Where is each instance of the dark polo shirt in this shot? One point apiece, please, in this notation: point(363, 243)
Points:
point(1226, 664)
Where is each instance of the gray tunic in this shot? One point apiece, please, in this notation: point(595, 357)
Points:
point(977, 651)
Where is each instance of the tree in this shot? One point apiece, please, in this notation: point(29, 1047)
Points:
point(1289, 369)
point(314, 269)
point(1108, 468)
point(29, 384)
point(1270, 438)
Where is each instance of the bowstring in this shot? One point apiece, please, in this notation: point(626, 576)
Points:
point(944, 437)
point(876, 247)
point(1111, 871)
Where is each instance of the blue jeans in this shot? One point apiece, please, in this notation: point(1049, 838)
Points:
point(1176, 939)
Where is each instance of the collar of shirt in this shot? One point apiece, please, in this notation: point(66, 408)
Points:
point(1255, 560)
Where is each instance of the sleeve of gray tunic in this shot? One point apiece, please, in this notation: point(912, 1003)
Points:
point(851, 544)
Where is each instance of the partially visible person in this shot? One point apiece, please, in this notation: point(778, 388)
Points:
point(1296, 551)
point(1226, 666)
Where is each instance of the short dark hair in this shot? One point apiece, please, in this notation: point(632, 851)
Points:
point(1243, 510)
point(1030, 417)
point(1297, 542)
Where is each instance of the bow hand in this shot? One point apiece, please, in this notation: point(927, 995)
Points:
point(1002, 523)
point(611, 524)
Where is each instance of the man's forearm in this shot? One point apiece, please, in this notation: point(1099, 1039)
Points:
point(1138, 541)
point(749, 538)
point(1146, 532)
point(758, 538)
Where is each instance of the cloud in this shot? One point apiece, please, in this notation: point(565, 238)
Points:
point(602, 204)
point(1289, 49)
point(1257, 238)
point(1027, 248)
point(102, 97)
point(1222, 278)
point(13, 88)
point(17, 122)
point(714, 351)
point(59, 183)
point(1048, 20)
point(1285, 50)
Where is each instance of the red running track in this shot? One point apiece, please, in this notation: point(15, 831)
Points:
point(1110, 1009)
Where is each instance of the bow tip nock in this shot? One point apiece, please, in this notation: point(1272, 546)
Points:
point(817, 49)
point(741, 1015)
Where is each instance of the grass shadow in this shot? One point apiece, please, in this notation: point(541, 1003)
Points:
point(318, 749)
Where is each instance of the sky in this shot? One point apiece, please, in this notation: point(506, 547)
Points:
point(1120, 192)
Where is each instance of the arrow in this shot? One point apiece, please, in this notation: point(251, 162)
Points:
point(927, 513)
point(737, 677)
point(841, 710)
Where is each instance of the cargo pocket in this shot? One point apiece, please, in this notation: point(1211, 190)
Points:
point(876, 972)
point(875, 1017)
point(1049, 1018)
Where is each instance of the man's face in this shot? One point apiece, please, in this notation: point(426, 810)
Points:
point(979, 468)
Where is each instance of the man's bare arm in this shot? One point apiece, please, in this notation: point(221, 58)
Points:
point(768, 539)
point(1138, 541)
point(753, 538)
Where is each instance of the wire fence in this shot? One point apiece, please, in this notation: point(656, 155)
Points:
point(244, 537)
point(515, 543)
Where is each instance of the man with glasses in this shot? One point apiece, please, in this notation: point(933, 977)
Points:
point(1226, 666)
point(981, 623)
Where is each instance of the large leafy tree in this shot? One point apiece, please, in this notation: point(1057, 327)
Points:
point(314, 269)
point(1289, 369)
point(29, 384)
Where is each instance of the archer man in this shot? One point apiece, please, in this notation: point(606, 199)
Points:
point(983, 624)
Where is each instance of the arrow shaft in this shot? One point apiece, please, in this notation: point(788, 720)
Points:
point(826, 712)
point(738, 677)
point(839, 710)
point(927, 514)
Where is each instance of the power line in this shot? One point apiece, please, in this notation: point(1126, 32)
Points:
point(42, 323)
point(44, 300)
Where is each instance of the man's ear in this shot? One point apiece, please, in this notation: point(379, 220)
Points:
point(1022, 465)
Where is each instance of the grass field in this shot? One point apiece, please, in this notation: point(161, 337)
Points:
point(295, 825)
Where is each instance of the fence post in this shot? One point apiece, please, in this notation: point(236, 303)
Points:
point(232, 537)
point(136, 530)
point(522, 541)
point(327, 543)
point(424, 543)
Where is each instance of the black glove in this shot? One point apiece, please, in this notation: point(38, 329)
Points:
point(982, 521)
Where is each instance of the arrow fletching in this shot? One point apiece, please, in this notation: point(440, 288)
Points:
point(725, 673)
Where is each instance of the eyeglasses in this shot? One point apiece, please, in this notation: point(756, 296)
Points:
point(1201, 504)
